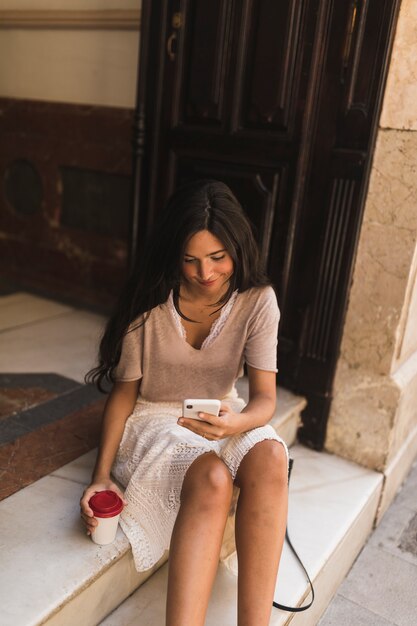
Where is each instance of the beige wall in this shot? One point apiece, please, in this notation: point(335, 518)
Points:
point(66, 64)
point(375, 393)
point(31, 5)
point(400, 112)
point(406, 340)
point(400, 102)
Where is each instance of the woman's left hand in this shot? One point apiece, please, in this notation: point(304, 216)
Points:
point(212, 427)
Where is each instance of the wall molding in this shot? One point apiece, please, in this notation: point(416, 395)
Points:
point(115, 19)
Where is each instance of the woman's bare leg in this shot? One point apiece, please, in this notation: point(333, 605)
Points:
point(196, 540)
point(260, 523)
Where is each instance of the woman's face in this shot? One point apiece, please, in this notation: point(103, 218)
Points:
point(206, 265)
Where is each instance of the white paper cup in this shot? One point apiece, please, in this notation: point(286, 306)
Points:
point(106, 506)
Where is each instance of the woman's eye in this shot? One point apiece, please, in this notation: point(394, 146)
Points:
point(213, 258)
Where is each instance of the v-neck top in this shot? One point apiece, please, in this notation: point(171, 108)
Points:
point(216, 326)
point(170, 369)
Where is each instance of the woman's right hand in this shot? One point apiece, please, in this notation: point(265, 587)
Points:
point(87, 514)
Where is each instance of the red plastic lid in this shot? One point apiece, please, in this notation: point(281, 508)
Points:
point(106, 504)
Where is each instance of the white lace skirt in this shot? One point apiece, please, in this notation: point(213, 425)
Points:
point(153, 457)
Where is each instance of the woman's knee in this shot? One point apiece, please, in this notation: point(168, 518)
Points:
point(210, 477)
point(266, 462)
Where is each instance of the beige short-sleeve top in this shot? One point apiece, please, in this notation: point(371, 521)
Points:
point(170, 369)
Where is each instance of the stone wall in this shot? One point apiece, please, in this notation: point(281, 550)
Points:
point(374, 411)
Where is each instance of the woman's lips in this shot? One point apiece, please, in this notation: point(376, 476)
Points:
point(207, 283)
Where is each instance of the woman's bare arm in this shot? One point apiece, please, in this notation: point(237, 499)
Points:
point(119, 406)
point(262, 398)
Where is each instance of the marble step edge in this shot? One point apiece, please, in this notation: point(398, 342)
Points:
point(102, 595)
point(338, 565)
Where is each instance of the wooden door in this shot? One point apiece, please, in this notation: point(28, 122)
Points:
point(279, 100)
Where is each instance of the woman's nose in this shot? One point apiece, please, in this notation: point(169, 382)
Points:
point(206, 270)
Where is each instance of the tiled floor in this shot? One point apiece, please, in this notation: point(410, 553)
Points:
point(27, 458)
point(46, 419)
point(380, 589)
point(50, 337)
point(18, 397)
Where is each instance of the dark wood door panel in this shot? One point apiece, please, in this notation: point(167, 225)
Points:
point(268, 45)
point(266, 37)
point(318, 321)
point(354, 68)
point(259, 147)
point(202, 71)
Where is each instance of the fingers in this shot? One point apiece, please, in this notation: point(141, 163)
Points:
point(209, 418)
point(87, 514)
point(90, 524)
point(89, 521)
point(119, 493)
point(85, 508)
point(199, 427)
point(210, 426)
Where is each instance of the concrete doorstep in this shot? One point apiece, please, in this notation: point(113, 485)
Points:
point(52, 573)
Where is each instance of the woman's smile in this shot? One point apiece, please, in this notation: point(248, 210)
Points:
point(206, 262)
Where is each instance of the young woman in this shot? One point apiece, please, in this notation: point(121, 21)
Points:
point(191, 315)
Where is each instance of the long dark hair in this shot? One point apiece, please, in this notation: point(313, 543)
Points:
point(199, 205)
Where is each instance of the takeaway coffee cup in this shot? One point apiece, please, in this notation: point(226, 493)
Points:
point(106, 506)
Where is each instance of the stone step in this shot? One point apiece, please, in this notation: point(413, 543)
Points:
point(51, 572)
point(287, 417)
point(333, 504)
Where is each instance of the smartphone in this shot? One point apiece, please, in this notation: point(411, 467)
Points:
point(192, 406)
